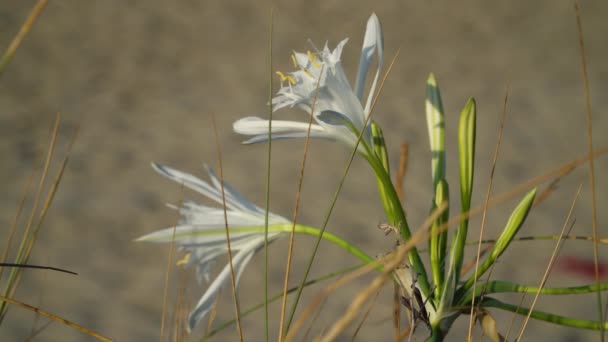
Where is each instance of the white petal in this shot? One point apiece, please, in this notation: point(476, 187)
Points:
point(373, 41)
point(232, 195)
point(281, 129)
point(253, 125)
point(188, 235)
point(204, 305)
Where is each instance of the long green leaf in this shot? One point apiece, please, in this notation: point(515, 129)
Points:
point(438, 239)
point(488, 302)
point(466, 154)
point(500, 286)
point(436, 126)
point(512, 227)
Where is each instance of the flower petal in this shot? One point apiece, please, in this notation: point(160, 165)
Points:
point(373, 40)
point(281, 129)
point(204, 305)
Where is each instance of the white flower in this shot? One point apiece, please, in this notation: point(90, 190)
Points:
point(201, 233)
point(338, 107)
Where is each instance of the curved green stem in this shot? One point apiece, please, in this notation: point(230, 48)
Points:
point(544, 316)
point(499, 286)
point(299, 228)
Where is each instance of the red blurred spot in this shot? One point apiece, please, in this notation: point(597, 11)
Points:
point(584, 267)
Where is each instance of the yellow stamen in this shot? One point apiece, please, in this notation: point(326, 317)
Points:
point(313, 59)
point(287, 78)
point(184, 260)
point(294, 60)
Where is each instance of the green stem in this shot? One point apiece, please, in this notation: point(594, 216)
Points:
point(544, 316)
point(397, 217)
point(499, 286)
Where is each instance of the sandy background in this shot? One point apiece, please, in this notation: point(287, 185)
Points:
point(141, 78)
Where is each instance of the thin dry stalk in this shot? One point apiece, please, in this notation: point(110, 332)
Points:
point(296, 209)
point(23, 31)
point(55, 318)
point(365, 316)
point(485, 210)
point(168, 273)
point(581, 40)
point(232, 276)
point(556, 250)
point(314, 320)
point(13, 228)
point(28, 239)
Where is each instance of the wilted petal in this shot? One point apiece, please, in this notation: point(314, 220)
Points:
point(373, 41)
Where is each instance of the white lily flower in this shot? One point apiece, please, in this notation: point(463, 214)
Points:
point(338, 107)
point(203, 248)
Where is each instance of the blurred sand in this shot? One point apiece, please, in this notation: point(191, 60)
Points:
point(142, 78)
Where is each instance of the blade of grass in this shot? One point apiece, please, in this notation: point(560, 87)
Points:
point(15, 222)
point(581, 40)
point(556, 250)
point(365, 315)
point(23, 31)
point(232, 276)
point(13, 280)
point(267, 209)
point(297, 207)
point(487, 200)
point(55, 318)
point(168, 272)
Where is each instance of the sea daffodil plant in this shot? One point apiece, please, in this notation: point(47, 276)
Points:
point(342, 113)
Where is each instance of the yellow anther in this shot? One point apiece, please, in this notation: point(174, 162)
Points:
point(313, 59)
point(294, 60)
point(184, 260)
point(287, 78)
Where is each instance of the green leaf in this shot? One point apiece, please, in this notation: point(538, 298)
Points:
point(489, 302)
point(436, 126)
point(438, 240)
point(500, 286)
point(512, 227)
point(466, 153)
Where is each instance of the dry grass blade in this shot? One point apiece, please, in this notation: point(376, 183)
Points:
point(13, 228)
point(168, 273)
point(55, 318)
point(297, 208)
point(29, 236)
point(579, 26)
point(314, 320)
point(232, 275)
point(365, 316)
point(25, 28)
point(485, 210)
point(403, 159)
point(556, 250)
